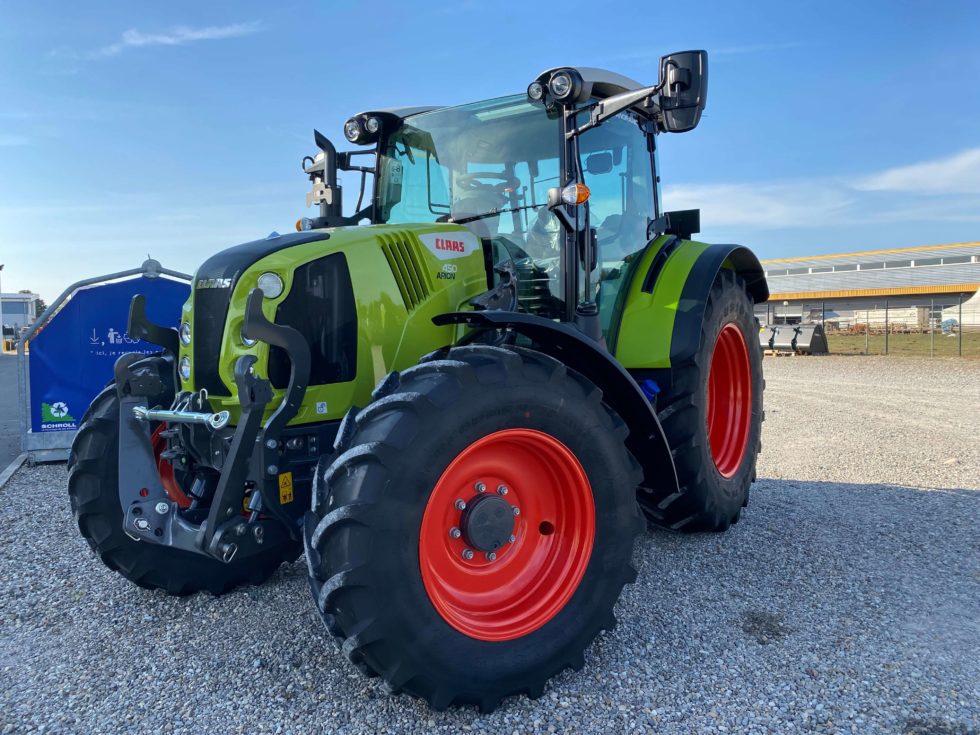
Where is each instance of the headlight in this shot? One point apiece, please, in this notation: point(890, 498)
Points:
point(565, 86)
point(185, 333)
point(373, 125)
point(561, 85)
point(184, 368)
point(353, 130)
point(535, 90)
point(271, 285)
point(245, 340)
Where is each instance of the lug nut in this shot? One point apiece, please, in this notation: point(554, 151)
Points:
point(162, 508)
point(272, 469)
point(517, 511)
point(467, 554)
point(513, 538)
point(460, 504)
point(491, 556)
point(455, 533)
point(271, 443)
point(502, 490)
point(480, 487)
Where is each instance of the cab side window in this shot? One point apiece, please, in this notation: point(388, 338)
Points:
point(617, 168)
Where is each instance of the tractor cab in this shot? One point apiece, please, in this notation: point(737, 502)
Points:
point(561, 181)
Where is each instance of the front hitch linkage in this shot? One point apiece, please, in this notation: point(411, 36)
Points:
point(226, 533)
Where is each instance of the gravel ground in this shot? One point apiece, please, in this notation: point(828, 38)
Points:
point(845, 601)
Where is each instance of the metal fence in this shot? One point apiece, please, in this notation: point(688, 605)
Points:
point(947, 326)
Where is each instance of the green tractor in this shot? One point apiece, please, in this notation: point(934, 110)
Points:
point(461, 400)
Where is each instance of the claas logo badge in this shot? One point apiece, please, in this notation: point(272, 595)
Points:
point(214, 283)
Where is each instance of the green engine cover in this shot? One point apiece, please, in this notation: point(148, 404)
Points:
point(402, 276)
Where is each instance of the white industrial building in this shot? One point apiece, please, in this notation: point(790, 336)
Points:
point(17, 309)
point(911, 288)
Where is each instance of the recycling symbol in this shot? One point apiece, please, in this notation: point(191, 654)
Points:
point(59, 409)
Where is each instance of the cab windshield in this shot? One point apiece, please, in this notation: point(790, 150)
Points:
point(476, 163)
point(470, 160)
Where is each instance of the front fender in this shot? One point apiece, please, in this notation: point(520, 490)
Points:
point(646, 439)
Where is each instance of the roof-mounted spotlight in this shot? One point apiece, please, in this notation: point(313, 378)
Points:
point(353, 130)
point(535, 91)
point(565, 85)
point(362, 129)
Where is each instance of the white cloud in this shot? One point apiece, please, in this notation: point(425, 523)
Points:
point(939, 190)
point(178, 37)
point(770, 205)
point(956, 174)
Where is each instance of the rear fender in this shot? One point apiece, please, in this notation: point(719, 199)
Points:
point(660, 322)
point(646, 439)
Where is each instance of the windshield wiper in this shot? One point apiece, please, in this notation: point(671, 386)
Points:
point(492, 213)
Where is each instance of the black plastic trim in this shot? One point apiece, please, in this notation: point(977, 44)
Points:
point(659, 261)
point(694, 295)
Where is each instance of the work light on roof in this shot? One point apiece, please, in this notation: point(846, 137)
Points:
point(535, 91)
point(353, 130)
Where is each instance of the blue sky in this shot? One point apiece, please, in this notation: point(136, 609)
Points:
point(176, 129)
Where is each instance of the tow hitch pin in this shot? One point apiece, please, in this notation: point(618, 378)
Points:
point(213, 421)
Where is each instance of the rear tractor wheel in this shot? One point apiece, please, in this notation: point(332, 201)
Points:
point(712, 417)
point(477, 529)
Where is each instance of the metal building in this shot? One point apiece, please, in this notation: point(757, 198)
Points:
point(915, 285)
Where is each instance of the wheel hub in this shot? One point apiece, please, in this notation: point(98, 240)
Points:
point(487, 523)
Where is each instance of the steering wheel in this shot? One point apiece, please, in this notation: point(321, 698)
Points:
point(472, 182)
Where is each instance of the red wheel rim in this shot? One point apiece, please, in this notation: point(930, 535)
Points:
point(533, 577)
point(729, 400)
point(166, 470)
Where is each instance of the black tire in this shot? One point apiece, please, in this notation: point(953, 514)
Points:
point(93, 477)
point(707, 500)
point(368, 508)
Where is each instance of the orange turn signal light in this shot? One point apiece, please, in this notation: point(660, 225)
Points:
point(574, 194)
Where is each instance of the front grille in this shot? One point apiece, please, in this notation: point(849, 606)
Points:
point(321, 306)
point(408, 271)
point(210, 312)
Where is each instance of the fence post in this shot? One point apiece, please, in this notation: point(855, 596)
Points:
point(823, 315)
point(932, 330)
point(867, 329)
point(960, 325)
point(886, 326)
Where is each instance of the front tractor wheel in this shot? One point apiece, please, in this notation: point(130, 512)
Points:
point(477, 529)
point(93, 488)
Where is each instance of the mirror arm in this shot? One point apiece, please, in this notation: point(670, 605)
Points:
point(607, 108)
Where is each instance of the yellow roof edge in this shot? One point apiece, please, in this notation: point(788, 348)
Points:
point(869, 252)
point(890, 291)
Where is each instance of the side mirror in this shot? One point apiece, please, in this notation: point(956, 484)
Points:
point(684, 76)
point(599, 163)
